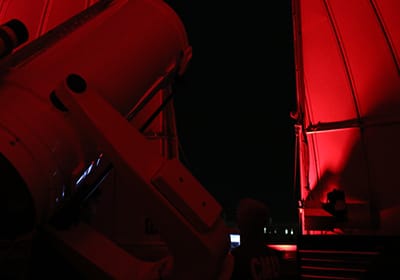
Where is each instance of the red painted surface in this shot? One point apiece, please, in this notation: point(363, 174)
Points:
point(348, 84)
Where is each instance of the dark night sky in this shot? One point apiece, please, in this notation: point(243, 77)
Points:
point(233, 103)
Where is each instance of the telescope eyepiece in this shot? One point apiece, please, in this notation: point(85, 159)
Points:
point(12, 34)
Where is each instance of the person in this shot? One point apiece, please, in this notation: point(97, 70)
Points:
point(253, 259)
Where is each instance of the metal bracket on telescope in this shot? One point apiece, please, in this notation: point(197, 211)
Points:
point(188, 217)
point(81, 245)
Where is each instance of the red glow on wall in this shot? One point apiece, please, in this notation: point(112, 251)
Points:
point(348, 84)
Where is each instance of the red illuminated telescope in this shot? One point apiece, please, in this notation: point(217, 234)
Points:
point(76, 103)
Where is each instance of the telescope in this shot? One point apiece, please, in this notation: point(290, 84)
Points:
point(81, 105)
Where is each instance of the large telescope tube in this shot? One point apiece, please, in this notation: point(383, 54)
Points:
point(122, 51)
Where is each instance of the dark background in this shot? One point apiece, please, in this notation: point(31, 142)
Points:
point(233, 104)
